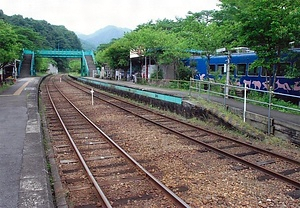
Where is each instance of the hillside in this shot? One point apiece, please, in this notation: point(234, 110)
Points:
point(54, 36)
point(104, 35)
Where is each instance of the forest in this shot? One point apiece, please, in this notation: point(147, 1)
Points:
point(18, 33)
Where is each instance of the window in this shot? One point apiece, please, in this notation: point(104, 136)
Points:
point(232, 68)
point(221, 68)
point(253, 70)
point(241, 69)
point(212, 68)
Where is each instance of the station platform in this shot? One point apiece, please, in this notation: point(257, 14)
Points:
point(24, 180)
point(185, 95)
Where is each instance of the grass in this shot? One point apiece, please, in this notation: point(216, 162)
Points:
point(275, 101)
point(4, 87)
point(259, 99)
point(241, 130)
point(74, 74)
point(41, 74)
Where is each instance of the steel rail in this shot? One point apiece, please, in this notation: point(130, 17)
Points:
point(291, 160)
point(177, 200)
point(88, 171)
point(290, 181)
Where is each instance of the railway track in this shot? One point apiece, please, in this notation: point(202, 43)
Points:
point(270, 164)
point(97, 171)
point(174, 156)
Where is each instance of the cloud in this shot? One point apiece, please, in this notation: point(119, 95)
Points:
point(87, 16)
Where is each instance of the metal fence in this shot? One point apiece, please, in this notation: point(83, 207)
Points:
point(242, 94)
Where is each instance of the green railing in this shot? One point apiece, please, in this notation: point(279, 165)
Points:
point(61, 54)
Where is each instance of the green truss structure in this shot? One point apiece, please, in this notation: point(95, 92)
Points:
point(61, 54)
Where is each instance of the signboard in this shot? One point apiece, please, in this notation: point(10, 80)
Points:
point(135, 53)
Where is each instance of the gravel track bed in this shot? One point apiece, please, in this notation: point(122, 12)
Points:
point(202, 178)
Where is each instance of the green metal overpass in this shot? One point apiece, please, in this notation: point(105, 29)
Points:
point(60, 54)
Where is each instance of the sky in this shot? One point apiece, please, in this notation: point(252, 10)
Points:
point(88, 16)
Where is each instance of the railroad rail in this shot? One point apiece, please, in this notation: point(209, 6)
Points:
point(285, 168)
point(102, 160)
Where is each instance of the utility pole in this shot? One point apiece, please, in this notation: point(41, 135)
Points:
point(226, 68)
point(227, 73)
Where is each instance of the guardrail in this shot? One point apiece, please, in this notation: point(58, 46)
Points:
point(241, 94)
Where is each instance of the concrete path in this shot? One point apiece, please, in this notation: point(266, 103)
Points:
point(24, 180)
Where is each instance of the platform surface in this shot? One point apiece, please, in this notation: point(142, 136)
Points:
point(24, 181)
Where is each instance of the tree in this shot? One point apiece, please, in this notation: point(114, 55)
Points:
point(42, 64)
point(10, 48)
point(267, 27)
point(29, 39)
point(75, 66)
point(53, 36)
point(115, 54)
point(205, 35)
point(163, 46)
point(100, 53)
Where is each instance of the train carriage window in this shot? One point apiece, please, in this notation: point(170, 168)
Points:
point(241, 69)
point(232, 68)
point(221, 68)
point(212, 68)
point(253, 70)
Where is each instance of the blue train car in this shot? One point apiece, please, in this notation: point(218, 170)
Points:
point(242, 74)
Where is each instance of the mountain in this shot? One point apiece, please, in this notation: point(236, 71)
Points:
point(102, 36)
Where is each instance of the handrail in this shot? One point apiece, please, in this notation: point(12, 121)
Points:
point(85, 63)
point(32, 73)
point(198, 86)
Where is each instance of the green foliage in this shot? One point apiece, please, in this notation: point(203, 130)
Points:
point(42, 64)
point(116, 54)
point(29, 39)
point(75, 66)
point(9, 45)
point(18, 33)
point(4, 87)
point(264, 97)
point(184, 72)
point(178, 84)
point(62, 64)
point(157, 74)
point(49, 36)
point(267, 26)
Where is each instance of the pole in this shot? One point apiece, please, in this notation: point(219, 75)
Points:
point(269, 111)
point(245, 103)
point(92, 92)
point(190, 87)
point(146, 68)
point(227, 74)
point(130, 69)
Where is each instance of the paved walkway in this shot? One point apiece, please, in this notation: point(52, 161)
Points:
point(23, 174)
